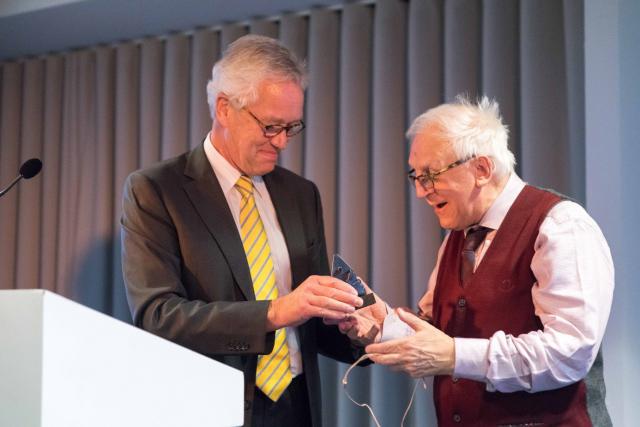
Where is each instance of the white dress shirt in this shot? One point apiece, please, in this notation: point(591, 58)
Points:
point(572, 297)
point(227, 177)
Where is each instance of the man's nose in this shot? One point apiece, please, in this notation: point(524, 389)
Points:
point(280, 141)
point(421, 192)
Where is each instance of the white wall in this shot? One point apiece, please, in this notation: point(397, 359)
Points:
point(14, 7)
point(612, 98)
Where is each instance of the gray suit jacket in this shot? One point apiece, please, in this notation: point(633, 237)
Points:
point(186, 273)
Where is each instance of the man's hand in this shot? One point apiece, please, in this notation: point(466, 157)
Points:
point(318, 296)
point(428, 352)
point(363, 327)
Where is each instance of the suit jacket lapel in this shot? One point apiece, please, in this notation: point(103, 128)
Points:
point(290, 224)
point(205, 193)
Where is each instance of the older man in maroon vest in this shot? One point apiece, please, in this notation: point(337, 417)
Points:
point(518, 302)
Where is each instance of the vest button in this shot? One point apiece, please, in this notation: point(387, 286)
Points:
point(457, 418)
point(454, 379)
point(462, 302)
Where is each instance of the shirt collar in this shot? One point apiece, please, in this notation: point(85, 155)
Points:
point(498, 210)
point(226, 173)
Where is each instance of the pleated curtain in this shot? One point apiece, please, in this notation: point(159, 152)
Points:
point(94, 115)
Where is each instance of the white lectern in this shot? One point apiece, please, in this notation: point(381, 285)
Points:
point(65, 365)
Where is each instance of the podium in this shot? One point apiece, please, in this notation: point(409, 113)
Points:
point(65, 365)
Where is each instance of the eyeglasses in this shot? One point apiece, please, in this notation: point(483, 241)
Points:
point(271, 131)
point(428, 179)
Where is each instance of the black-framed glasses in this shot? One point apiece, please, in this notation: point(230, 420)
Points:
point(428, 179)
point(271, 131)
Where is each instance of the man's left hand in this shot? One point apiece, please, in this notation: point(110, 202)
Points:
point(428, 352)
point(363, 327)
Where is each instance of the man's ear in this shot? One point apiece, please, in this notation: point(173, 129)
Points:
point(223, 109)
point(483, 168)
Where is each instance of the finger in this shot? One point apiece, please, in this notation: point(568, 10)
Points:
point(345, 324)
point(332, 282)
point(363, 332)
point(330, 322)
point(329, 314)
point(397, 366)
point(384, 359)
point(337, 291)
point(412, 320)
point(387, 347)
point(331, 304)
point(416, 373)
point(373, 333)
point(327, 287)
point(345, 327)
point(339, 301)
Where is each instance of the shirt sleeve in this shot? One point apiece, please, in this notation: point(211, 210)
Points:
point(572, 297)
point(425, 304)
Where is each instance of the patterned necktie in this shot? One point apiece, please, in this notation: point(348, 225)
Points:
point(474, 237)
point(273, 374)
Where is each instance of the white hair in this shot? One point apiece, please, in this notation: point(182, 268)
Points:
point(246, 63)
point(471, 130)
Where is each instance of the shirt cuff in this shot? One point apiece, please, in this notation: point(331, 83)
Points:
point(471, 361)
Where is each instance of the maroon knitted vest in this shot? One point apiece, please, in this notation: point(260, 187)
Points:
point(497, 297)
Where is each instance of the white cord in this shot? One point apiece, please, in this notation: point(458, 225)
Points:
point(365, 405)
point(344, 385)
point(413, 394)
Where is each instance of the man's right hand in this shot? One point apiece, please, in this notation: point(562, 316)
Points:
point(317, 296)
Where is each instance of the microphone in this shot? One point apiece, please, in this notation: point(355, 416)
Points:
point(28, 170)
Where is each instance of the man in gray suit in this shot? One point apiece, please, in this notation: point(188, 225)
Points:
point(221, 246)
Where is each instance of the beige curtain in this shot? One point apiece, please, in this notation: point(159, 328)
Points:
point(97, 114)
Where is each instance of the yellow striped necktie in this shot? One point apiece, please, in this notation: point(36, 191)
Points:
point(273, 374)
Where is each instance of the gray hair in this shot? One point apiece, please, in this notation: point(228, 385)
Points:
point(246, 63)
point(471, 129)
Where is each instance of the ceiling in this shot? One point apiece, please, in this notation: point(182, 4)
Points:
point(35, 27)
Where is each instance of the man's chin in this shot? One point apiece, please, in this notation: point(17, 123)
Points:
point(444, 223)
point(264, 169)
point(441, 220)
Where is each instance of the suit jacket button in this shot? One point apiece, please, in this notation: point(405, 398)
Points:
point(457, 418)
point(247, 405)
